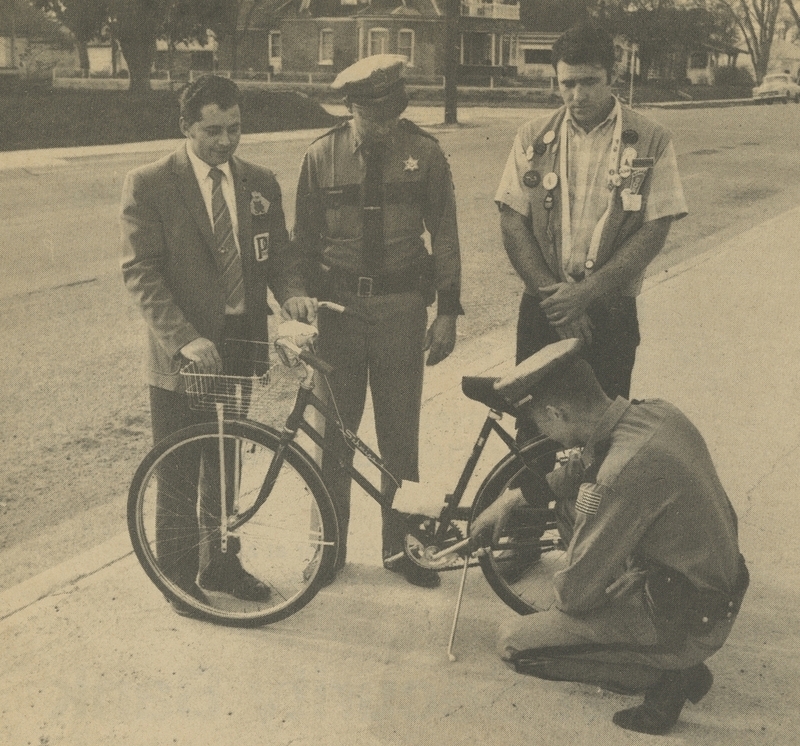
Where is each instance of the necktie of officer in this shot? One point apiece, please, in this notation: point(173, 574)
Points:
point(373, 207)
point(231, 264)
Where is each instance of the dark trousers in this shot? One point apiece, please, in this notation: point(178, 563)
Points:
point(188, 504)
point(615, 338)
point(387, 356)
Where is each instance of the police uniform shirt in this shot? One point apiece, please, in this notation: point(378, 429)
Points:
point(418, 196)
point(650, 492)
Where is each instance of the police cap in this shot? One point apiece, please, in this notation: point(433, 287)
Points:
point(516, 387)
point(372, 79)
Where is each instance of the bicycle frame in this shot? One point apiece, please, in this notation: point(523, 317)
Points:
point(297, 422)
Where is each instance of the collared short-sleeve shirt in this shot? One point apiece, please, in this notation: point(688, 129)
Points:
point(588, 181)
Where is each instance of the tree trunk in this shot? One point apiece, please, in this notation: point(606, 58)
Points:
point(451, 61)
point(138, 22)
point(83, 58)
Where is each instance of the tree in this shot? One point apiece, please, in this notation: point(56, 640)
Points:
point(86, 19)
point(756, 19)
point(666, 31)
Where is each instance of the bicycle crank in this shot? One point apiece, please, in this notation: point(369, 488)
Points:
point(422, 549)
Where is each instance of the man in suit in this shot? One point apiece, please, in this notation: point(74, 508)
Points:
point(203, 234)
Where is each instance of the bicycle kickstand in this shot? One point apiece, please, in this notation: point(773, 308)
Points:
point(451, 550)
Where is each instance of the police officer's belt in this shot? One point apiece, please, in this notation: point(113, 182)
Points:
point(678, 608)
point(342, 281)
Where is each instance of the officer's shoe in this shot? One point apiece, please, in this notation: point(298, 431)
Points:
point(183, 609)
point(412, 572)
point(663, 702)
point(225, 574)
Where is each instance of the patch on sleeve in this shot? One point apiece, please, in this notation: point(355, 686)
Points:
point(589, 498)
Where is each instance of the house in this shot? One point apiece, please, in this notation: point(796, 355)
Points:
point(30, 42)
point(311, 37)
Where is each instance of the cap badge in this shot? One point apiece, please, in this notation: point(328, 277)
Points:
point(411, 164)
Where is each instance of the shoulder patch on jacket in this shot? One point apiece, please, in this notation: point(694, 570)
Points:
point(590, 496)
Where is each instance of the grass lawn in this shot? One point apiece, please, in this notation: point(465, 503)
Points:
point(42, 117)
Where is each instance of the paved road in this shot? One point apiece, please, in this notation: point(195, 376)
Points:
point(72, 392)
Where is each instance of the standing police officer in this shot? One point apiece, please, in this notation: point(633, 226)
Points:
point(368, 191)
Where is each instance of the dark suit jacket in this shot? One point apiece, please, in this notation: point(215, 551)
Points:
point(168, 260)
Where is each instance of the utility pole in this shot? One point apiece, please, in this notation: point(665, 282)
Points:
point(633, 72)
point(452, 59)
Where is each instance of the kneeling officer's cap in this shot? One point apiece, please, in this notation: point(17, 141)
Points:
point(516, 387)
point(371, 79)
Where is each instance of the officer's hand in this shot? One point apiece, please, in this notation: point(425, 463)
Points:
point(440, 339)
point(300, 308)
point(566, 480)
point(203, 353)
point(487, 528)
point(565, 303)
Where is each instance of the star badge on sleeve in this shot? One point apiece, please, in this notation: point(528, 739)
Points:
point(412, 164)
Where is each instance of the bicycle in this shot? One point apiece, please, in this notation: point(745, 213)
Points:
point(274, 508)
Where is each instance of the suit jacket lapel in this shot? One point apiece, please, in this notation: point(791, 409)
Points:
point(190, 191)
point(241, 185)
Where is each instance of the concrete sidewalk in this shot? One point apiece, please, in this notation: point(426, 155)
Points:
point(101, 659)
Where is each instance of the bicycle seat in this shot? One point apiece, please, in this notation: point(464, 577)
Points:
point(481, 389)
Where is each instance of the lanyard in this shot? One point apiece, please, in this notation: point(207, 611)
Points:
point(566, 219)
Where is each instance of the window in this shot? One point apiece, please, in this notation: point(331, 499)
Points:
point(274, 45)
point(538, 56)
point(378, 41)
point(326, 46)
point(405, 44)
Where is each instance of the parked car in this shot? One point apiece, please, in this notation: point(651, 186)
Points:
point(778, 86)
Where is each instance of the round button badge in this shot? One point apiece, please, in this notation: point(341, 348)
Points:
point(550, 181)
point(531, 179)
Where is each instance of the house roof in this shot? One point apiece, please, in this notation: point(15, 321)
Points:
point(261, 14)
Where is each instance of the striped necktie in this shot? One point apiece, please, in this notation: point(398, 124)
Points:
point(231, 264)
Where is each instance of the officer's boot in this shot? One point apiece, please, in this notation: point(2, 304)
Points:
point(663, 702)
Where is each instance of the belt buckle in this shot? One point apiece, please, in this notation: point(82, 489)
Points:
point(364, 287)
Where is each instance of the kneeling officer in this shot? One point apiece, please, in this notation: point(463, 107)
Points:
point(653, 578)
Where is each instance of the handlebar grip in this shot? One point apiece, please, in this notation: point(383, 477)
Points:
point(316, 362)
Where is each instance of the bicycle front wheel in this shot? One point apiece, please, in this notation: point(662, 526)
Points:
point(175, 507)
point(518, 567)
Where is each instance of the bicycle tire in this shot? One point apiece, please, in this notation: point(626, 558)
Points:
point(289, 544)
point(517, 589)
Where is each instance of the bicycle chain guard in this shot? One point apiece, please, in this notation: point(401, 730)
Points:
point(420, 547)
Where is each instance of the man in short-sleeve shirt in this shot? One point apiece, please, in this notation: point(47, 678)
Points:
point(583, 258)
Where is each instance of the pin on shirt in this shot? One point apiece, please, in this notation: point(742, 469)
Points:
point(411, 164)
point(531, 179)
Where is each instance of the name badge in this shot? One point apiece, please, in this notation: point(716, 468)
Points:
point(261, 245)
point(631, 202)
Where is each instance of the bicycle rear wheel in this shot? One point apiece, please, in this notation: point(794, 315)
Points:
point(289, 543)
point(518, 566)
